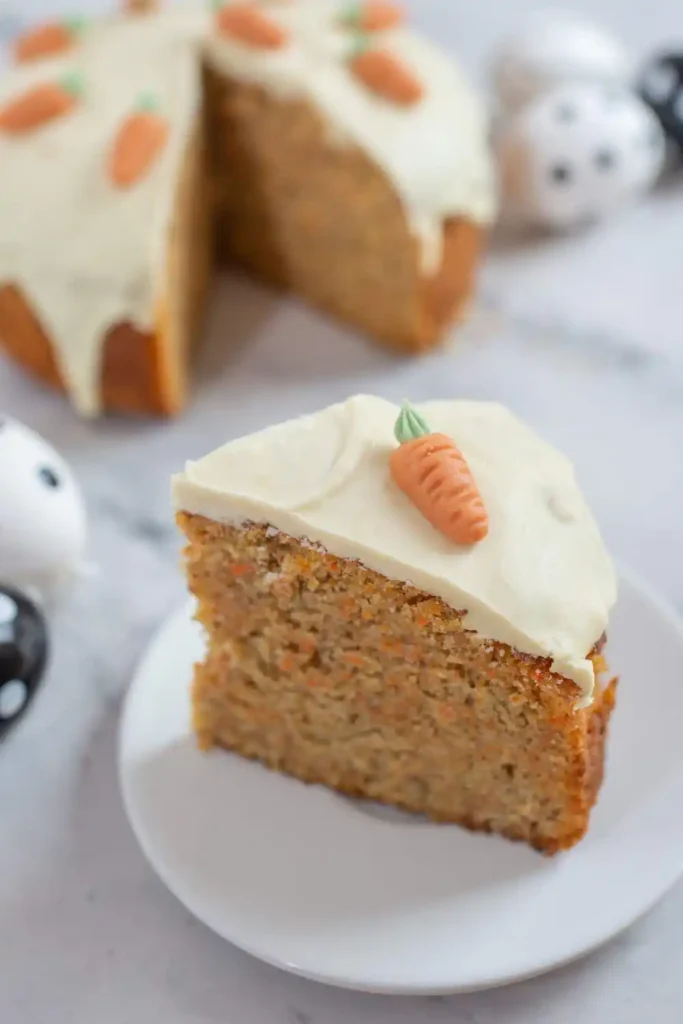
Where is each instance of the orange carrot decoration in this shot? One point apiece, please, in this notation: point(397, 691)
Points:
point(433, 473)
point(374, 15)
point(47, 40)
point(247, 23)
point(40, 104)
point(138, 143)
point(386, 75)
point(140, 6)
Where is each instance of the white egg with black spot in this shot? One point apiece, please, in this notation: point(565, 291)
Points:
point(552, 49)
point(23, 655)
point(661, 86)
point(578, 153)
point(42, 514)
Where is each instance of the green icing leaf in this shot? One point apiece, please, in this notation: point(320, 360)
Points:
point(75, 24)
point(409, 425)
point(352, 14)
point(148, 103)
point(359, 45)
point(73, 83)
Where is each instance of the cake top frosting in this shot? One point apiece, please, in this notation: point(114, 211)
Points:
point(89, 254)
point(540, 581)
point(434, 150)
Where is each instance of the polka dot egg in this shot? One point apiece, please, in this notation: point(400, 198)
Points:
point(23, 655)
point(42, 515)
point(577, 153)
point(552, 48)
point(661, 87)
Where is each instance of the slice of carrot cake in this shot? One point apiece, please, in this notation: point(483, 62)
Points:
point(408, 605)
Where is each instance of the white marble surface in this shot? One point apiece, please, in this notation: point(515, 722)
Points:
point(583, 337)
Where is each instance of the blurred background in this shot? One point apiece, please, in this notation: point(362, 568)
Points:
point(580, 334)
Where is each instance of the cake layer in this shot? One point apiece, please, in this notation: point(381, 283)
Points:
point(540, 582)
point(326, 670)
point(433, 152)
point(325, 223)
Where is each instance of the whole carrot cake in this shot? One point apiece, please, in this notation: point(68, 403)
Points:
point(407, 605)
point(323, 146)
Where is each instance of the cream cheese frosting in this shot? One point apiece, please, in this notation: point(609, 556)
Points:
point(88, 255)
point(541, 581)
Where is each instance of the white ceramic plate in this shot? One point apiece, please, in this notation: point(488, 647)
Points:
point(367, 898)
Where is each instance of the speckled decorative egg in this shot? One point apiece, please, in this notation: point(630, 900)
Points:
point(23, 655)
point(553, 49)
point(42, 515)
point(577, 153)
point(661, 86)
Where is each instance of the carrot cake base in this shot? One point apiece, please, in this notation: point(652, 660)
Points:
point(327, 671)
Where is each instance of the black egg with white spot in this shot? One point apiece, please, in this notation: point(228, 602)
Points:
point(661, 86)
point(23, 655)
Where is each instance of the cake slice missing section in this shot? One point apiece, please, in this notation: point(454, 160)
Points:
point(350, 166)
point(352, 643)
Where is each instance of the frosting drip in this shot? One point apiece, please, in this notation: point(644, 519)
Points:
point(88, 255)
point(541, 581)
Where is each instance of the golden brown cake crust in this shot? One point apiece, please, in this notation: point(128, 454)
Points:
point(131, 380)
point(323, 669)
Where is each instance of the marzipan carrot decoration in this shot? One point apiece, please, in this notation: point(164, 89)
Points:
point(374, 15)
point(247, 23)
point(433, 473)
point(140, 6)
point(47, 40)
point(40, 104)
point(386, 75)
point(138, 143)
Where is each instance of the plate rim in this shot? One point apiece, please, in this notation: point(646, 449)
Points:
point(665, 609)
